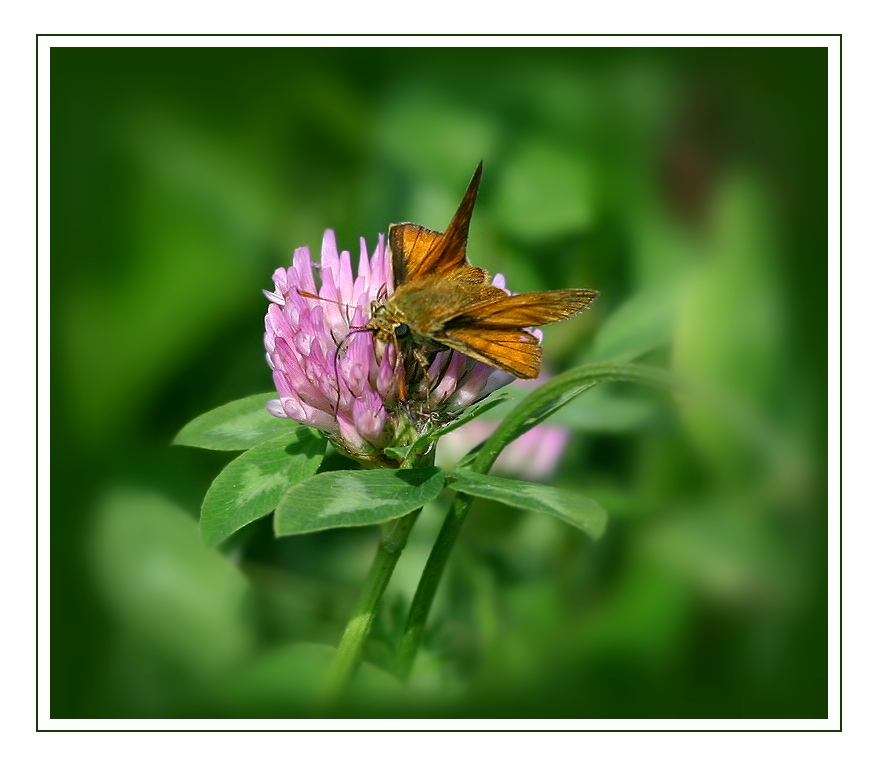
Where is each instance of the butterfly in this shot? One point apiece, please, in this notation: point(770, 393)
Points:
point(441, 301)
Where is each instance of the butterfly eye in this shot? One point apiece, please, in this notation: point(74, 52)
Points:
point(401, 330)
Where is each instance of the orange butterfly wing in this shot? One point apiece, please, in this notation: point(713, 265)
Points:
point(409, 245)
point(525, 310)
point(420, 252)
point(517, 352)
point(493, 331)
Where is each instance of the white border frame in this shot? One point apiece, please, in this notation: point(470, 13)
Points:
point(833, 45)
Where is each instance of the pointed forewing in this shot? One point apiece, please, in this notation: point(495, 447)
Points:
point(526, 309)
point(514, 351)
point(418, 252)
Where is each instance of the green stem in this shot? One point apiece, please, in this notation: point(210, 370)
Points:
point(432, 574)
point(541, 403)
point(350, 649)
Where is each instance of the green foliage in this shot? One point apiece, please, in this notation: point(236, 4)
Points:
point(166, 588)
point(288, 680)
point(277, 473)
point(552, 396)
point(238, 425)
point(602, 411)
point(522, 205)
point(252, 484)
point(355, 498)
point(579, 511)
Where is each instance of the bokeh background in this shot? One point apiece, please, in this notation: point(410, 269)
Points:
point(687, 185)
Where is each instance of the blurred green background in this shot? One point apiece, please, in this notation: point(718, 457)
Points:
point(687, 185)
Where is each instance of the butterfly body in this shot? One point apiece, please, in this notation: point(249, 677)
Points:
point(440, 300)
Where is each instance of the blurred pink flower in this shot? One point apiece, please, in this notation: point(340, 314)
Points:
point(328, 372)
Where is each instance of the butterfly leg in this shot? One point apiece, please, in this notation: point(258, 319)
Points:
point(424, 363)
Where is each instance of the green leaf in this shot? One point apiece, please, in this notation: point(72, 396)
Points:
point(238, 425)
point(251, 485)
point(355, 498)
point(580, 511)
point(600, 411)
point(550, 397)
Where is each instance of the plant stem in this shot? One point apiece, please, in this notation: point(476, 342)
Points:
point(429, 582)
point(350, 648)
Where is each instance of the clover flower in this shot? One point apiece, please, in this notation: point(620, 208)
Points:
point(331, 374)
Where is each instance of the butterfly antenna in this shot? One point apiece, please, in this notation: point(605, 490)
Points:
point(314, 296)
